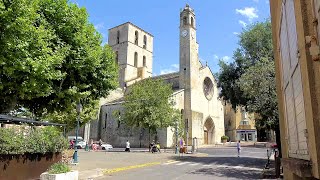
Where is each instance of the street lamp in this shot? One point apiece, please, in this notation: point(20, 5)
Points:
point(75, 155)
point(176, 123)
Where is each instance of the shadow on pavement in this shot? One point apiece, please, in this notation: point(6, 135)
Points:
point(229, 173)
point(227, 167)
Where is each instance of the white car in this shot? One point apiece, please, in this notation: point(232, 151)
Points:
point(106, 146)
point(81, 145)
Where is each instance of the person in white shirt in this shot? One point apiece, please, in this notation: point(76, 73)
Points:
point(127, 146)
point(238, 148)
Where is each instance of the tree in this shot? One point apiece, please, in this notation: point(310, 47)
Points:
point(249, 81)
point(255, 43)
point(51, 58)
point(259, 87)
point(148, 105)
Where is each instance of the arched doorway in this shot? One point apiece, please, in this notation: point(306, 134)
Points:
point(209, 131)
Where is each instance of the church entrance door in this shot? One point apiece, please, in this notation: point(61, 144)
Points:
point(209, 131)
point(205, 137)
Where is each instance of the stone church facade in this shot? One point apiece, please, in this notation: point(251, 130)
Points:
point(195, 89)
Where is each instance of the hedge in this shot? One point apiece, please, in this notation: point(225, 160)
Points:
point(27, 139)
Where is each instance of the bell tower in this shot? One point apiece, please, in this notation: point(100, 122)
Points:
point(189, 63)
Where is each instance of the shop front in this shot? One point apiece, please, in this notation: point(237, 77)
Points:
point(247, 135)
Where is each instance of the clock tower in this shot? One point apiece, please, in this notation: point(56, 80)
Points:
point(188, 47)
point(189, 63)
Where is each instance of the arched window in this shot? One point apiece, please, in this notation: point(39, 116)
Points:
point(192, 22)
point(144, 61)
point(136, 37)
point(135, 59)
point(185, 21)
point(117, 57)
point(144, 41)
point(118, 37)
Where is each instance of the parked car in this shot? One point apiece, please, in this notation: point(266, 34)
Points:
point(74, 137)
point(81, 144)
point(106, 146)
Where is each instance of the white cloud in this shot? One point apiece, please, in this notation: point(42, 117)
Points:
point(226, 58)
point(236, 33)
point(175, 66)
point(223, 58)
point(242, 23)
point(249, 12)
point(171, 69)
point(99, 26)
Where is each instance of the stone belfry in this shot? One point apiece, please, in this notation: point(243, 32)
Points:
point(133, 47)
point(189, 63)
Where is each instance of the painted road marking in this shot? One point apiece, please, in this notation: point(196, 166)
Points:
point(108, 171)
point(194, 164)
point(182, 163)
point(239, 167)
point(171, 162)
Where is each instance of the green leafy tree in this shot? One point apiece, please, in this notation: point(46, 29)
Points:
point(259, 87)
point(148, 105)
point(255, 43)
point(249, 81)
point(51, 58)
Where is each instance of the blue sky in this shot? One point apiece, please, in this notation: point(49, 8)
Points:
point(218, 25)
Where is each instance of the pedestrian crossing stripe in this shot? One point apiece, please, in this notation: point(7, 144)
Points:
point(182, 163)
point(213, 165)
point(171, 162)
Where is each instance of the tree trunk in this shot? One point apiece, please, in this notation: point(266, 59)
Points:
point(149, 140)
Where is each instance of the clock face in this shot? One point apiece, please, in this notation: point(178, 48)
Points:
point(184, 33)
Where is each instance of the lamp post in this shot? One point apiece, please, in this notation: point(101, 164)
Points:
point(176, 152)
point(75, 156)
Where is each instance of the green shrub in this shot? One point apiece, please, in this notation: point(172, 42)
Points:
point(224, 137)
point(26, 139)
point(59, 168)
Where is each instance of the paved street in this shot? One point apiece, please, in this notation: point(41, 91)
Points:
point(210, 163)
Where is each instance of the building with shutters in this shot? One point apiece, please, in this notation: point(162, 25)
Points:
point(295, 30)
point(195, 89)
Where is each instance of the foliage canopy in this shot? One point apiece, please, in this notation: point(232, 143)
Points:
point(250, 80)
point(148, 105)
point(51, 58)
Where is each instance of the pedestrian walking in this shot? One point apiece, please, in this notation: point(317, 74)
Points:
point(127, 146)
point(238, 148)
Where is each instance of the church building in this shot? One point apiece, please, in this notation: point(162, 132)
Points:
point(195, 89)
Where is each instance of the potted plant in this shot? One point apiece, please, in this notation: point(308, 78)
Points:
point(59, 171)
point(224, 139)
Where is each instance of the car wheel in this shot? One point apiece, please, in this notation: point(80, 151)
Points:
point(79, 147)
point(103, 148)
